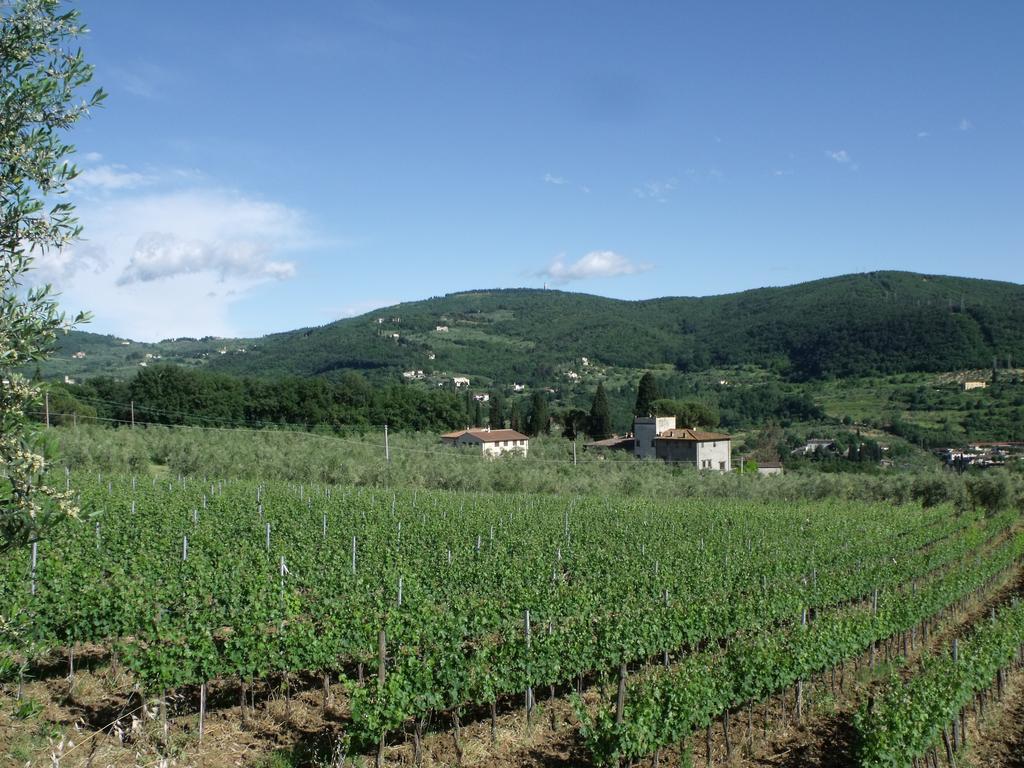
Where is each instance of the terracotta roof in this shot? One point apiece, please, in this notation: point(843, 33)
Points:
point(486, 435)
point(612, 442)
point(685, 433)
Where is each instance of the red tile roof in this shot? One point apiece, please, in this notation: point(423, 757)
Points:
point(685, 433)
point(486, 435)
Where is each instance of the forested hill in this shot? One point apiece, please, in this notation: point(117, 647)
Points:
point(882, 322)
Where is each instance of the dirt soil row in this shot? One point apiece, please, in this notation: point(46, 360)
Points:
point(65, 724)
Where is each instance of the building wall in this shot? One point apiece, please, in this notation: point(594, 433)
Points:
point(716, 455)
point(677, 451)
point(492, 449)
point(647, 428)
point(500, 447)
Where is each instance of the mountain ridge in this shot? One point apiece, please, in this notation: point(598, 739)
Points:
point(886, 321)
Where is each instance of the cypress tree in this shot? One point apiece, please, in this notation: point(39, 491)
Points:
point(496, 418)
point(646, 394)
point(516, 417)
point(600, 415)
point(539, 417)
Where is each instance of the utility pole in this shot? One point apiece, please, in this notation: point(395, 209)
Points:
point(47, 401)
point(574, 451)
point(387, 446)
point(133, 413)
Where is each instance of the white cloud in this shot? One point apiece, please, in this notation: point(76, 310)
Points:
point(92, 157)
point(593, 264)
point(965, 124)
point(557, 180)
point(163, 264)
point(158, 255)
point(842, 157)
point(923, 134)
point(108, 178)
point(655, 190)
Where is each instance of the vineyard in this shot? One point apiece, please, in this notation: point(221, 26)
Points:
point(635, 629)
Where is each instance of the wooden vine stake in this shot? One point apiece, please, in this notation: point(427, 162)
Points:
point(620, 698)
point(35, 559)
point(874, 613)
point(382, 655)
point(956, 723)
point(202, 710)
point(551, 693)
point(528, 695)
point(800, 683)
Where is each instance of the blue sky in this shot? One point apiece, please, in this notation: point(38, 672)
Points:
point(264, 166)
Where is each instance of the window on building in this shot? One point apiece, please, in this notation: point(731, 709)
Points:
point(721, 465)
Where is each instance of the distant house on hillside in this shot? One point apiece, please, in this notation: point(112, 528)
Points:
point(441, 328)
point(769, 468)
point(460, 381)
point(658, 437)
point(482, 397)
point(969, 385)
point(490, 442)
point(518, 387)
point(814, 445)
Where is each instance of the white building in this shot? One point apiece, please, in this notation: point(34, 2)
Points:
point(518, 387)
point(441, 328)
point(646, 429)
point(658, 437)
point(482, 397)
point(460, 381)
point(490, 442)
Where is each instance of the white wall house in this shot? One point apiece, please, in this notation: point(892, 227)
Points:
point(490, 442)
point(460, 381)
point(658, 437)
